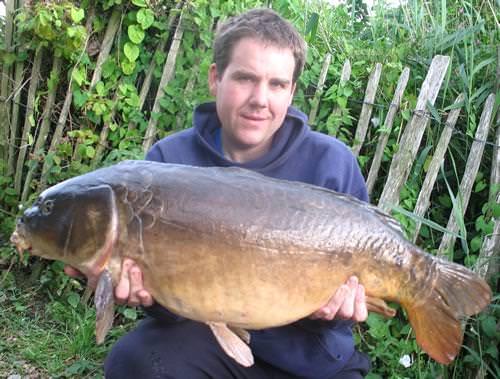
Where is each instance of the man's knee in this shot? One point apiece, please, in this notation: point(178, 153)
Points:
point(155, 350)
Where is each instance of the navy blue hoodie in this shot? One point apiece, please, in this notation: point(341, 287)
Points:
point(308, 348)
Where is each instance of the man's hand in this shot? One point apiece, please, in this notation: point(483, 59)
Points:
point(130, 289)
point(348, 303)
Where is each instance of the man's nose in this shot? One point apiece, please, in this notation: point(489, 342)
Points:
point(260, 95)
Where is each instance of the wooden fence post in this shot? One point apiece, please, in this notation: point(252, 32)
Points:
point(6, 85)
point(38, 149)
point(106, 45)
point(63, 116)
point(319, 88)
point(412, 136)
point(366, 110)
point(344, 78)
point(29, 117)
point(168, 73)
point(148, 78)
point(423, 200)
point(471, 169)
point(386, 130)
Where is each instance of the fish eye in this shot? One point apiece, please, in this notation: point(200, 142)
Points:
point(46, 207)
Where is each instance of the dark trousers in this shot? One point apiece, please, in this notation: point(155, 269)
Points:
point(185, 350)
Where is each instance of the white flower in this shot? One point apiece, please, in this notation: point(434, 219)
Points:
point(406, 361)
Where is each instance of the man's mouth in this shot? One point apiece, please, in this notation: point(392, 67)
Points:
point(254, 117)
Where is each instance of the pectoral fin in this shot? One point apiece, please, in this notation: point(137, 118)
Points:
point(232, 344)
point(105, 306)
point(375, 304)
point(242, 333)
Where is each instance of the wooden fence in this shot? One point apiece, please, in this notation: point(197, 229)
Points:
point(409, 145)
point(20, 84)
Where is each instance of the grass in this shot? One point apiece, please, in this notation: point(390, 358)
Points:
point(55, 338)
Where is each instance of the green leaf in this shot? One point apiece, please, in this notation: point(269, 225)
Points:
point(480, 186)
point(133, 100)
point(476, 243)
point(131, 51)
point(73, 299)
point(10, 192)
point(79, 98)
point(312, 26)
point(127, 67)
point(78, 76)
point(77, 14)
point(90, 152)
point(433, 111)
point(31, 120)
point(139, 3)
point(130, 313)
point(135, 33)
point(99, 88)
point(146, 18)
point(489, 326)
point(496, 210)
point(342, 102)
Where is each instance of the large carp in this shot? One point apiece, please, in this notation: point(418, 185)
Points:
point(238, 250)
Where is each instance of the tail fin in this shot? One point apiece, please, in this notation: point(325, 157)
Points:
point(457, 293)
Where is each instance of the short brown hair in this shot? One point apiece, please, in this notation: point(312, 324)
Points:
point(265, 25)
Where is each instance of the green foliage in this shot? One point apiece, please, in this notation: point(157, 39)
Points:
point(56, 25)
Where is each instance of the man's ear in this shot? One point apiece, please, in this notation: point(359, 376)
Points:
point(212, 79)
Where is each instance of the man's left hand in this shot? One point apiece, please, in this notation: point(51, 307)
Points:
point(348, 303)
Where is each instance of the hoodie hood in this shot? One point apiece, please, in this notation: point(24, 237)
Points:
point(286, 140)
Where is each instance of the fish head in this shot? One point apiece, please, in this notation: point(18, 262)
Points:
point(74, 221)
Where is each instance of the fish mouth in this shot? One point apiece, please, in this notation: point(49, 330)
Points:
point(19, 241)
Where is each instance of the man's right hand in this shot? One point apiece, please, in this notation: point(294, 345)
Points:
point(130, 288)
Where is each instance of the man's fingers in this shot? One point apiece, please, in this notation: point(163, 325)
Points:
point(360, 310)
point(73, 272)
point(136, 285)
point(346, 310)
point(329, 311)
point(145, 298)
point(122, 290)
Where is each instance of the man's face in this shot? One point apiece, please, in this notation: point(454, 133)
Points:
point(253, 94)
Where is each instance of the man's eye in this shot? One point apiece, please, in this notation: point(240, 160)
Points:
point(278, 85)
point(46, 207)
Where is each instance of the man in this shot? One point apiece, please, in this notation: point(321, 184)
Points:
point(258, 58)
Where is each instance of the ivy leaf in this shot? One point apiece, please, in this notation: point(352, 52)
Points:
point(135, 33)
point(145, 17)
point(99, 88)
point(108, 68)
point(131, 51)
point(130, 313)
point(78, 76)
point(127, 67)
point(139, 3)
point(73, 299)
point(79, 98)
point(133, 100)
point(90, 152)
point(77, 14)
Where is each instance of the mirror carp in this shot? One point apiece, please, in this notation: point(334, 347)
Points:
point(237, 250)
